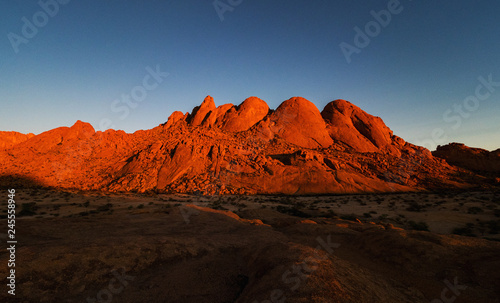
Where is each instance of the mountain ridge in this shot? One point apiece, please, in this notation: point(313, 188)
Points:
point(244, 149)
point(9, 139)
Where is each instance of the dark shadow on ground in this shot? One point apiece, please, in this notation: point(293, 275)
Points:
point(19, 182)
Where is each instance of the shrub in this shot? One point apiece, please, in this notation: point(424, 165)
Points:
point(494, 227)
point(464, 231)
point(349, 217)
point(293, 211)
point(474, 210)
point(105, 207)
point(419, 226)
point(415, 207)
point(28, 209)
point(383, 217)
point(331, 214)
point(217, 205)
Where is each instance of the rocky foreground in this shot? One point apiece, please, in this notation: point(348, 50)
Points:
point(244, 149)
point(81, 247)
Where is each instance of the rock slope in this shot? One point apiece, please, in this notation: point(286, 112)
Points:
point(9, 139)
point(474, 159)
point(246, 149)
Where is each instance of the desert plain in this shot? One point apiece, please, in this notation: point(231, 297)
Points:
point(198, 248)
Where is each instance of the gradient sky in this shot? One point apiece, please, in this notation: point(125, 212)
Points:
point(413, 74)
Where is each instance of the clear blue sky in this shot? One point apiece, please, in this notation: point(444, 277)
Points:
point(427, 59)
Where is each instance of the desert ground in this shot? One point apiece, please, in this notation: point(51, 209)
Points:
point(77, 246)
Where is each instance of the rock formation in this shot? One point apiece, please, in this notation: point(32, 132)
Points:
point(251, 111)
point(474, 159)
point(241, 149)
point(298, 121)
point(363, 132)
point(200, 113)
point(9, 139)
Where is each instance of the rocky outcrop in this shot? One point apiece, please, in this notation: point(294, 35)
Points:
point(246, 115)
point(201, 112)
point(298, 121)
point(9, 139)
point(363, 132)
point(245, 149)
point(229, 117)
point(474, 159)
point(217, 116)
point(174, 118)
point(54, 138)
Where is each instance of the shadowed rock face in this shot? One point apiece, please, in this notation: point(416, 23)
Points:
point(242, 149)
point(474, 159)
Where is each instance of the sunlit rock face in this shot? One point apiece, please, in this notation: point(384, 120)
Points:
point(227, 149)
point(9, 139)
point(246, 115)
point(201, 112)
point(363, 132)
point(298, 121)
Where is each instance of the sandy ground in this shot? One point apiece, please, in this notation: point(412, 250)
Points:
point(106, 247)
point(467, 213)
